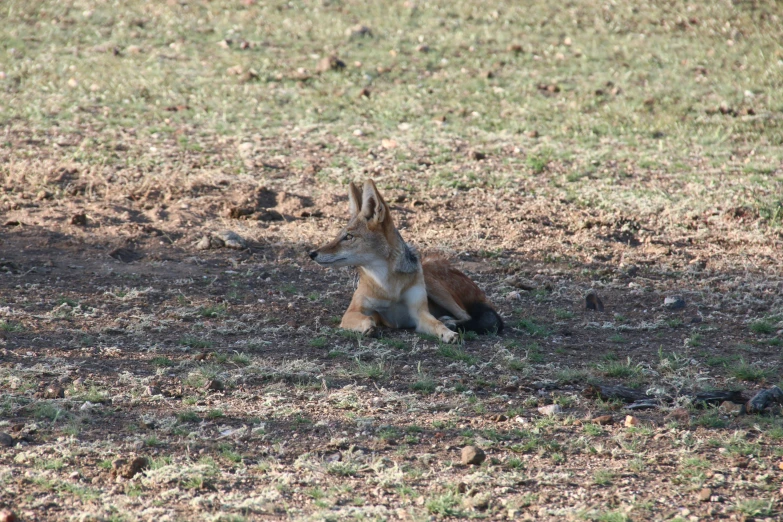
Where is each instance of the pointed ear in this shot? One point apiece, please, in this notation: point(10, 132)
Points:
point(373, 206)
point(354, 199)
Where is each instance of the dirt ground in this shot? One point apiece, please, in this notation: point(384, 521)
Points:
point(225, 369)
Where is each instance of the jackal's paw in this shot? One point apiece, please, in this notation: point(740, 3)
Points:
point(367, 328)
point(449, 337)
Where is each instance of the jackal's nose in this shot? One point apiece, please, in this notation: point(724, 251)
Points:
point(313, 254)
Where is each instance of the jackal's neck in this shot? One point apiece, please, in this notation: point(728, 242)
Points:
point(404, 257)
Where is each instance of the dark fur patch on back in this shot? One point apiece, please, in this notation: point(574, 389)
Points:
point(408, 261)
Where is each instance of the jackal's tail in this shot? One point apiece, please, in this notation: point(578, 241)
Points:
point(483, 319)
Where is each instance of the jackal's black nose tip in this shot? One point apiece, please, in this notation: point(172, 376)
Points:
point(313, 254)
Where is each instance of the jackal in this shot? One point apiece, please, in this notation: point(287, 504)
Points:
point(396, 288)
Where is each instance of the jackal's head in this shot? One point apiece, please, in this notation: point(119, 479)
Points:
point(368, 238)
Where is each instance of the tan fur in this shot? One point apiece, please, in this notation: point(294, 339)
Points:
point(395, 288)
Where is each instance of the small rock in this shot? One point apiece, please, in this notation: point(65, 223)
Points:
point(473, 455)
point(215, 385)
point(6, 440)
point(603, 420)
point(358, 31)
point(126, 255)
point(329, 63)
point(674, 302)
point(125, 469)
point(479, 502)
point(550, 409)
point(232, 240)
point(763, 399)
point(6, 515)
point(593, 302)
point(705, 494)
point(631, 421)
point(679, 415)
point(239, 212)
point(729, 408)
point(203, 244)
point(54, 392)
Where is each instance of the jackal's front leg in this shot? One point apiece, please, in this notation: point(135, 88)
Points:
point(427, 324)
point(354, 319)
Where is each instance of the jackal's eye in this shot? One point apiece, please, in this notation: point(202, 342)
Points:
point(347, 237)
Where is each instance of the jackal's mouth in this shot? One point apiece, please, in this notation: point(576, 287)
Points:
point(329, 262)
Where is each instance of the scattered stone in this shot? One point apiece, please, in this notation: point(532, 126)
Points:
point(764, 398)
point(498, 418)
point(125, 469)
point(330, 63)
point(593, 302)
point(358, 31)
point(479, 502)
point(215, 385)
point(473, 455)
point(204, 243)
point(674, 302)
point(705, 494)
point(54, 392)
point(6, 440)
point(603, 420)
point(126, 255)
point(631, 421)
point(730, 408)
point(269, 214)
point(239, 212)
point(6, 515)
point(680, 415)
point(232, 240)
point(550, 409)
